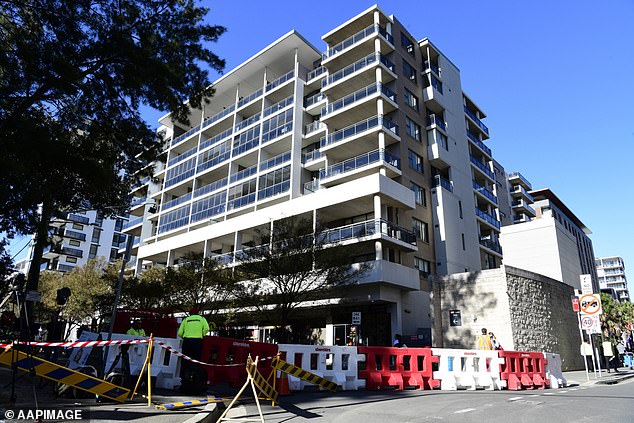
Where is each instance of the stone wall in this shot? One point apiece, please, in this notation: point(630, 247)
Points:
point(525, 310)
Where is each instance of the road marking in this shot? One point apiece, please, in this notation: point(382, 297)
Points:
point(466, 410)
point(573, 389)
point(549, 393)
point(563, 392)
point(515, 398)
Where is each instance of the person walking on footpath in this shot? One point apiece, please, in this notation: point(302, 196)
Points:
point(192, 330)
point(494, 342)
point(484, 340)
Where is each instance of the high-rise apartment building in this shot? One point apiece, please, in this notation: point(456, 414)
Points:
point(78, 237)
point(611, 274)
point(374, 138)
point(554, 243)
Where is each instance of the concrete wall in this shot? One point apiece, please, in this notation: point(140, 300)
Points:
point(525, 310)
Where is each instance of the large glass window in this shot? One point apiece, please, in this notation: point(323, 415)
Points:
point(421, 230)
point(275, 182)
point(214, 155)
point(413, 129)
point(411, 99)
point(93, 251)
point(419, 194)
point(415, 161)
point(277, 125)
point(208, 207)
point(423, 266)
point(241, 194)
point(409, 71)
point(174, 219)
point(407, 44)
point(180, 172)
point(246, 141)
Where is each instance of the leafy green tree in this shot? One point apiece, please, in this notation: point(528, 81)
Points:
point(294, 264)
point(73, 75)
point(616, 315)
point(148, 291)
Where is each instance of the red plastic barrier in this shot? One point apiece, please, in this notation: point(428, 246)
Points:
point(399, 368)
point(232, 355)
point(524, 370)
point(158, 323)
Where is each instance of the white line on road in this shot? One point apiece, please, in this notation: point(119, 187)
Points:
point(515, 398)
point(549, 393)
point(563, 392)
point(573, 389)
point(466, 410)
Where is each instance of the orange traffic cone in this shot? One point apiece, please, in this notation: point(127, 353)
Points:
point(282, 385)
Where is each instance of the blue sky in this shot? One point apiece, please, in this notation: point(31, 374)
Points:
point(554, 77)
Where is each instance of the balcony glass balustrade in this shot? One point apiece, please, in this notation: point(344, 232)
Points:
point(219, 116)
point(518, 175)
point(78, 219)
point(313, 99)
point(435, 120)
point(274, 190)
point(244, 173)
point(357, 66)
point(365, 229)
point(316, 72)
point(181, 157)
point(274, 161)
point(439, 181)
point(175, 202)
point(479, 143)
point(309, 156)
point(313, 126)
point(206, 189)
point(358, 162)
point(311, 186)
point(359, 127)
point(491, 245)
point(487, 217)
point(482, 167)
point(247, 122)
point(521, 190)
point(356, 38)
point(482, 190)
point(142, 182)
point(216, 138)
point(277, 106)
point(476, 120)
point(358, 96)
point(279, 81)
point(74, 235)
point(133, 222)
point(248, 99)
point(182, 137)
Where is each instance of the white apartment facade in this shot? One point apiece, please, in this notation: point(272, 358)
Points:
point(373, 138)
point(78, 237)
point(554, 243)
point(611, 274)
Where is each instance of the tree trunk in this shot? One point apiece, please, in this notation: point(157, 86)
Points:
point(33, 279)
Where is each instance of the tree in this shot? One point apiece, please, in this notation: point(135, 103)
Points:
point(73, 75)
point(292, 266)
point(147, 291)
point(616, 315)
point(200, 283)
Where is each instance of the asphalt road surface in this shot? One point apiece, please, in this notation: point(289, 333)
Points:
point(588, 403)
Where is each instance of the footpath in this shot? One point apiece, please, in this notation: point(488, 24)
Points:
point(31, 390)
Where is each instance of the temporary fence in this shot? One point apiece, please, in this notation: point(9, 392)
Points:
point(468, 369)
point(397, 368)
point(524, 370)
point(554, 374)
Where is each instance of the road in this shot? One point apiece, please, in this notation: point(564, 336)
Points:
point(588, 403)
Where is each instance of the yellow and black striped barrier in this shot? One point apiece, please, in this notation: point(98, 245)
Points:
point(298, 372)
point(192, 403)
point(64, 375)
point(262, 384)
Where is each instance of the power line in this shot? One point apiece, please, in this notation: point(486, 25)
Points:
point(22, 249)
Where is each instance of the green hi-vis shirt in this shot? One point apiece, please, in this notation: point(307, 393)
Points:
point(194, 326)
point(135, 332)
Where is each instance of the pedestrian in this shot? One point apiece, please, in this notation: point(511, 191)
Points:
point(494, 342)
point(484, 341)
point(610, 356)
point(192, 330)
point(136, 329)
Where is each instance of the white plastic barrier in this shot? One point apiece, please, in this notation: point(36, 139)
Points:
point(468, 369)
point(554, 372)
point(164, 366)
point(337, 364)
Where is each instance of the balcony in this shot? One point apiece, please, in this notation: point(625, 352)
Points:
point(311, 186)
point(206, 189)
point(357, 39)
point(359, 129)
point(485, 193)
point(433, 67)
point(241, 125)
point(275, 161)
point(314, 127)
point(309, 156)
point(358, 98)
point(280, 81)
point(132, 222)
point(491, 245)
point(516, 178)
point(278, 106)
point(491, 220)
point(356, 69)
point(251, 97)
point(320, 71)
point(369, 228)
point(520, 191)
point(359, 162)
point(64, 268)
point(439, 181)
point(486, 150)
point(184, 136)
point(177, 201)
point(433, 120)
point(243, 174)
point(79, 236)
point(438, 149)
point(73, 252)
point(179, 158)
point(314, 103)
point(482, 167)
point(522, 206)
point(521, 218)
point(78, 219)
point(216, 138)
point(219, 116)
point(476, 120)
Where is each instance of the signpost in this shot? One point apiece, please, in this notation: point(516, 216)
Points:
point(586, 284)
point(356, 317)
point(590, 304)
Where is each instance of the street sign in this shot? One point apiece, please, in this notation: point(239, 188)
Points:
point(590, 304)
point(586, 284)
point(575, 304)
point(34, 296)
point(592, 324)
point(455, 318)
point(356, 317)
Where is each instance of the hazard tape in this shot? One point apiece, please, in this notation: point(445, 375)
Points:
point(80, 344)
point(193, 360)
point(64, 375)
point(302, 374)
point(192, 403)
point(262, 384)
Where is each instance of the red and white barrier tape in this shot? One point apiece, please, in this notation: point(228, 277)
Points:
point(180, 354)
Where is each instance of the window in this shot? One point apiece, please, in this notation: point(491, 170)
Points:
point(415, 161)
point(413, 129)
point(423, 266)
point(463, 245)
point(113, 254)
point(70, 259)
point(78, 226)
point(409, 71)
point(421, 230)
point(411, 99)
point(74, 243)
point(93, 251)
point(407, 44)
point(99, 220)
point(419, 194)
point(118, 226)
point(96, 233)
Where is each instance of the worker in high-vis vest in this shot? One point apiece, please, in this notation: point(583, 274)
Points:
point(192, 330)
point(484, 341)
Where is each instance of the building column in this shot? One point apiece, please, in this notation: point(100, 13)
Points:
point(378, 247)
point(206, 248)
point(170, 258)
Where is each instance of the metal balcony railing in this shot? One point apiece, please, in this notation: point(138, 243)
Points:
point(476, 120)
point(279, 81)
point(482, 167)
point(439, 181)
point(313, 99)
point(358, 128)
point(314, 126)
point(316, 72)
point(357, 66)
point(491, 245)
point(356, 38)
point(487, 217)
point(309, 156)
point(482, 190)
point(358, 96)
point(175, 202)
point(358, 162)
point(479, 143)
point(278, 106)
